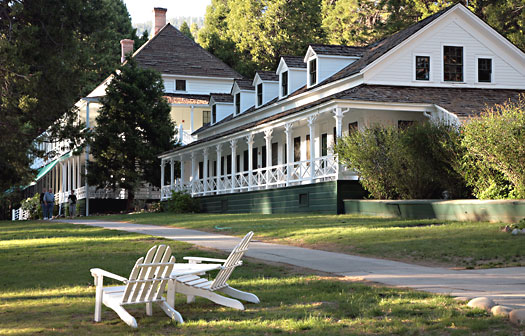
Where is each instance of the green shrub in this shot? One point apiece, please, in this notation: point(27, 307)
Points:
point(181, 203)
point(494, 161)
point(32, 204)
point(417, 162)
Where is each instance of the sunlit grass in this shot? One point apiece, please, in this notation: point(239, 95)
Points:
point(462, 244)
point(46, 289)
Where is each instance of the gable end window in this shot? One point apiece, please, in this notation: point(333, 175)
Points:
point(485, 70)
point(237, 103)
point(214, 114)
point(180, 85)
point(452, 64)
point(423, 68)
point(313, 72)
point(284, 83)
point(206, 118)
point(259, 94)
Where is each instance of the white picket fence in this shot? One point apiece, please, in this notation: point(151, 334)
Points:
point(20, 214)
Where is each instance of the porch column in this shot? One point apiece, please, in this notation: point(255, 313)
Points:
point(205, 154)
point(78, 172)
point(181, 173)
point(74, 173)
point(69, 175)
point(338, 115)
point(218, 165)
point(233, 145)
point(172, 173)
point(311, 126)
point(191, 119)
point(289, 152)
point(63, 183)
point(249, 141)
point(162, 177)
point(193, 172)
point(268, 138)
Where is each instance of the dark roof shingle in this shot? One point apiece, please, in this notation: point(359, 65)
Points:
point(221, 97)
point(295, 62)
point(338, 50)
point(245, 84)
point(171, 52)
point(268, 76)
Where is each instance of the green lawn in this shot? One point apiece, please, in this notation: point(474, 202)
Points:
point(46, 288)
point(459, 244)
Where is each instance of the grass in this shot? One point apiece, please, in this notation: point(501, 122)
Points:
point(432, 241)
point(46, 288)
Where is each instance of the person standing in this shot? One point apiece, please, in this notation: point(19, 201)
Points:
point(44, 214)
point(72, 199)
point(49, 202)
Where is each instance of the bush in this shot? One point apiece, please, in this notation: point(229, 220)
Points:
point(418, 162)
point(494, 162)
point(181, 203)
point(32, 204)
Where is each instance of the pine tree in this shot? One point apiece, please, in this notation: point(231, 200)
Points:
point(185, 29)
point(132, 128)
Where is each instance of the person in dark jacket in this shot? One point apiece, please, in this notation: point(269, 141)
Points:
point(72, 200)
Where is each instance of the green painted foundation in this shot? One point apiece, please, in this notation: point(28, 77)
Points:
point(324, 197)
point(507, 211)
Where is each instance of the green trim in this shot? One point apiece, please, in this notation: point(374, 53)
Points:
point(44, 170)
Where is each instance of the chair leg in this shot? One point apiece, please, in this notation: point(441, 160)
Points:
point(218, 299)
point(124, 315)
point(190, 298)
point(245, 296)
point(149, 309)
point(171, 312)
point(98, 298)
point(170, 293)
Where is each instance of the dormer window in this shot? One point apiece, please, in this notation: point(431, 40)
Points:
point(214, 114)
point(180, 85)
point(206, 118)
point(313, 72)
point(238, 103)
point(284, 83)
point(259, 94)
point(452, 64)
point(423, 68)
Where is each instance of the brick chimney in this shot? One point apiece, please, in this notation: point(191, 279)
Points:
point(126, 47)
point(160, 19)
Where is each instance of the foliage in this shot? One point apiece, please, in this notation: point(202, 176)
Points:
point(51, 53)
point(133, 127)
point(494, 162)
point(181, 202)
point(185, 29)
point(32, 204)
point(416, 162)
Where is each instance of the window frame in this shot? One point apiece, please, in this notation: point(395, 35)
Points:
point(259, 94)
point(463, 58)
point(177, 81)
point(310, 72)
point(209, 117)
point(284, 83)
point(414, 67)
point(214, 114)
point(237, 103)
point(492, 77)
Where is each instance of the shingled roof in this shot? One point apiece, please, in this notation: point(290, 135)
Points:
point(221, 97)
point(295, 62)
point(337, 50)
point(171, 52)
point(245, 84)
point(268, 76)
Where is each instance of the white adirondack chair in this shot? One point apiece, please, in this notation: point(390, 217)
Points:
point(146, 284)
point(193, 285)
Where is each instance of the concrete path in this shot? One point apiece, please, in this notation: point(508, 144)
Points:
point(504, 285)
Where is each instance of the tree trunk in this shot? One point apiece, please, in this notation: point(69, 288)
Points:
point(130, 202)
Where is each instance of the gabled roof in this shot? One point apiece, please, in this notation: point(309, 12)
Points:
point(294, 62)
point(221, 97)
point(268, 76)
point(337, 50)
point(171, 52)
point(244, 84)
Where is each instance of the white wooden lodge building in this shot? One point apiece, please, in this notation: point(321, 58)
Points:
point(264, 144)
point(268, 146)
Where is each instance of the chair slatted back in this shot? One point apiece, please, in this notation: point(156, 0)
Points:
point(234, 260)
point(149, 276)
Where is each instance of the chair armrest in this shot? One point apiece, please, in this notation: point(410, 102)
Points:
point(197, 260)
point(103, 273)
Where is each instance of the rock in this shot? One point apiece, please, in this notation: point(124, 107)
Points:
point(500, 311)
point(482, 303)
point(517, 316)
point(515, 231)
point(522, 231)
point(506, 229)
point(461, 299)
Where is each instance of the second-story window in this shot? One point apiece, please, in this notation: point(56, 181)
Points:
point(214, 114)
point(206, 118)
point(313, 72)
point(423, 68)
point(259, 94)
point(180, 85)
point(284, 83)
point(237, 103)
point(485, 70)
point(452, 64)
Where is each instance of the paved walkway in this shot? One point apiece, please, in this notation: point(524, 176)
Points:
point(504, 285)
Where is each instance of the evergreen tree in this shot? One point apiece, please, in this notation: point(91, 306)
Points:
point(185, 29)
point(133, 127)
point(194, 29)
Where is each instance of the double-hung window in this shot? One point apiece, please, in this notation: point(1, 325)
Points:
point(259, 94)
point(284, 83)
point(237, 103)
point(485, 70)
point(313, 72)
point(452, 64)
point(423, 68)
point(180, 85)
point(206, 117)
point(214, 114)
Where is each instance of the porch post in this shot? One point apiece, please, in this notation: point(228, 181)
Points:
point(233, 145)
point(191, 119)
point(62, 185)
point(218, 165)
point(181, 173)
point(172, 173)
point(311, 126)
point(268, 138)
point(69, 174)
point(162, 177)
point(338, 115)
point(249, 141)
point(193, 173)
point(78, 172)
point(205, 154)
point(289, 152)
point(74, 173)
